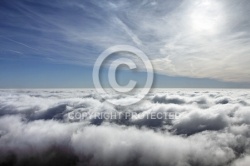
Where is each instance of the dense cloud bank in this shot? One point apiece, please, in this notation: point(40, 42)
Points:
point(47, 127)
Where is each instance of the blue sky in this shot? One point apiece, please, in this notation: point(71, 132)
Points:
point(191, 43)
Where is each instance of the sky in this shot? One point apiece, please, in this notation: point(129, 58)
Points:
point(191, 43)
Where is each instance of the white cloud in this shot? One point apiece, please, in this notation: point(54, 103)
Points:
point(242, 161)
point(35, 124)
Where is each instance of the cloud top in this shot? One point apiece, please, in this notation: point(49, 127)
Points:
point(35, 128)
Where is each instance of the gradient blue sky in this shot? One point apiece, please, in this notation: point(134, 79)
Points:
point(191, 43)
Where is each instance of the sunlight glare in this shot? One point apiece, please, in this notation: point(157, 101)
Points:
point(206, 16)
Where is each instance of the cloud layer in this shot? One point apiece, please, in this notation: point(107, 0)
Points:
point(211, 127)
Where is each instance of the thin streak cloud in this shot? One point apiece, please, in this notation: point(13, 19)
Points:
point(196, 39)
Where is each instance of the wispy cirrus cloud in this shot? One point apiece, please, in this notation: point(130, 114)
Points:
point(201, 39)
